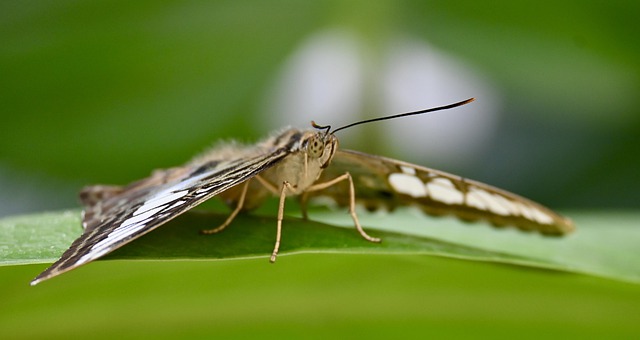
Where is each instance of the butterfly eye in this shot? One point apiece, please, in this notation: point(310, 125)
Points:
point(315, 147)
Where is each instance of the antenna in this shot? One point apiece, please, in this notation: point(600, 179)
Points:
point(439, 108)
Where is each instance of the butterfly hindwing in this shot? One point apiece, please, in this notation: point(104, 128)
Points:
point(386, 183)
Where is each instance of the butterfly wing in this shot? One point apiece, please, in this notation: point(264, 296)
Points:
point(386, 183)
point(115, 216)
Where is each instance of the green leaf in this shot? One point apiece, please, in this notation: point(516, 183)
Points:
point(595, 249)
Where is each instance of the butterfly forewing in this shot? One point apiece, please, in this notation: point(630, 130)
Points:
point(120, 215)
point(386, 183)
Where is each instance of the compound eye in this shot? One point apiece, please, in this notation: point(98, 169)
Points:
point(315, 147)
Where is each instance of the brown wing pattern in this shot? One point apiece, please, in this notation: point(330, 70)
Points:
point(115, 216)
point(386, 183)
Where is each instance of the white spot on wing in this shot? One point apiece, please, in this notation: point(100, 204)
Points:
point(531, 213)
point(137, 218)
point(526, 212)
point(510, 207)
point(159, 199)
point(178, 203)
point(542, 217)
point(91, 256)
point(476, 199)
point(443, 190)
point(496, 205)
point(408, 170)
point(407, 184)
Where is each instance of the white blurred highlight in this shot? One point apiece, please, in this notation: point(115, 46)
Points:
point(324, 81)
point(418, 76)
point(321, 81)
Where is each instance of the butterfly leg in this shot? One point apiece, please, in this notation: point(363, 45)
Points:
point(304, 199)
point(234, 213)
point(283, 195)
point(272, 188)
point(352, 202)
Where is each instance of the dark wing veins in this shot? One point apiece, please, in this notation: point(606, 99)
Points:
point(125, 216)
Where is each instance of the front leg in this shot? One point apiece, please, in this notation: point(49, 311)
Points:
point(283, 195)
point(234, 213)
point(352, 202)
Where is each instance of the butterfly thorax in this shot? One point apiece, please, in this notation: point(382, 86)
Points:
point(309, 152)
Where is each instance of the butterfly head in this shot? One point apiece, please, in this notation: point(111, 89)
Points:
point(321, 145)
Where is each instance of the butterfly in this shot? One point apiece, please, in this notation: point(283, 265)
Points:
point(304, 163)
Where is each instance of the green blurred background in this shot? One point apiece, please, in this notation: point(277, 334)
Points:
point(106, 91)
